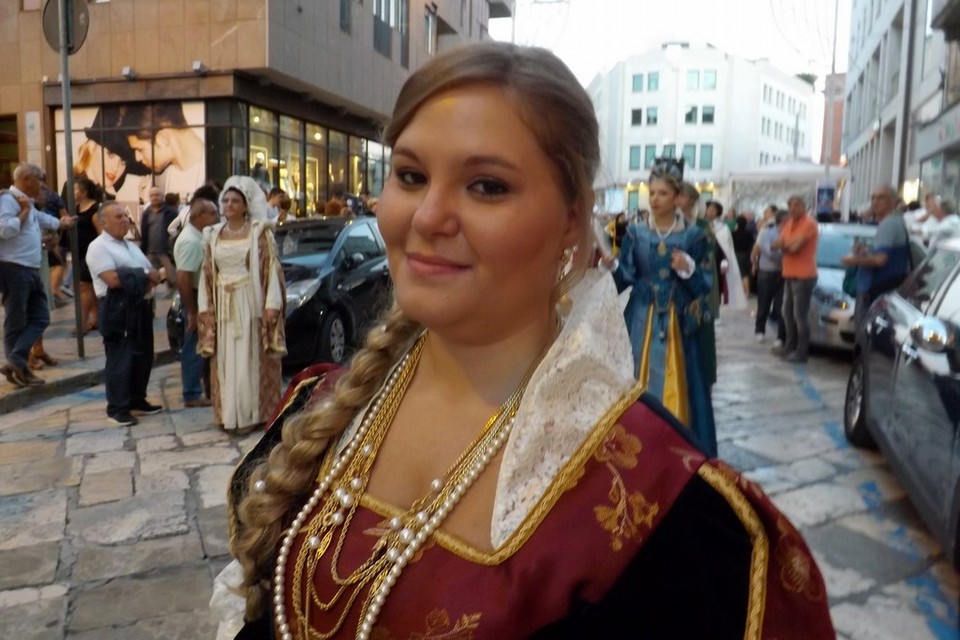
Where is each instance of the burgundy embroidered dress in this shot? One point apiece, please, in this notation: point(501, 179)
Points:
point(615, 527)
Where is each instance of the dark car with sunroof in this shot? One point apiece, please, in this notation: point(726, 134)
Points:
point(337, 282)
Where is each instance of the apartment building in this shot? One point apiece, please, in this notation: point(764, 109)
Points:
point(722, 114)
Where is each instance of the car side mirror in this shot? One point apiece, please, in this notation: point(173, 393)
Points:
point(932, 334)
point(352, 261)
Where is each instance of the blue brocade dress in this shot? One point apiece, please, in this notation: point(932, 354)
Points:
point(663, 316)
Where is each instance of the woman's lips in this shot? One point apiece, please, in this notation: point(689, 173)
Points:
point(424, 265)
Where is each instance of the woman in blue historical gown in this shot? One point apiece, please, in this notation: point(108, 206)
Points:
point(667, 264)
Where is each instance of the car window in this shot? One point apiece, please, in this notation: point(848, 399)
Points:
point(305, 242)
point(831, 247)
point(360, 239)
point(921, 285)
point(949, 308)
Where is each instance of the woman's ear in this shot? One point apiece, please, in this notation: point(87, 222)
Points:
point(574, 225)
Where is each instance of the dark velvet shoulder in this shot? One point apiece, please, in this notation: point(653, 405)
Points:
point(689, 580)
point(304, 388)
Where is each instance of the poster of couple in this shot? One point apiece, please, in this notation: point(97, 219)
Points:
point(127, 148)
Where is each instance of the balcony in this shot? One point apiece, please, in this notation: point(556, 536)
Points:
point(946, 17)
point(504, 8)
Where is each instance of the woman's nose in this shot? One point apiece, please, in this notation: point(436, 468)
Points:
point(437, 213)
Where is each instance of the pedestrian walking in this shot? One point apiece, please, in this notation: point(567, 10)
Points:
point(798, 243)
point(123, 280)
point(25, 305)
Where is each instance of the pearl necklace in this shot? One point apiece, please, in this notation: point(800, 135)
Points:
point(241, 232)
point(664, 236)
point(406, 534)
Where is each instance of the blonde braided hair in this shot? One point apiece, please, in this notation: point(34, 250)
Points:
point(291, 468)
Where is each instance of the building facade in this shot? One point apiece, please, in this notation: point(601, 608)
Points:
point(833, 119)
point(893, 87)
point(938, 138)
point(175, 92)
point(722, 114)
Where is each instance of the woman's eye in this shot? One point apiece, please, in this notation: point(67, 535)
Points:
point(410, 178)
point(489, 188)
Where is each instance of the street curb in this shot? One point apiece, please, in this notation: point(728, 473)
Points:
point(22, 398)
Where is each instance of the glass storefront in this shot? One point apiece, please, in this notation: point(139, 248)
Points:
point(310, 162)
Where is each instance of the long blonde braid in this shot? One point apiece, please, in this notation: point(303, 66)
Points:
point(291, 468)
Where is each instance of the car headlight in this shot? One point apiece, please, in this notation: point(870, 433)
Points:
point(299, 292)
point(833, 298)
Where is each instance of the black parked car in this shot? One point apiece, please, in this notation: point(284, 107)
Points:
point(337, 283)
point(904, 389)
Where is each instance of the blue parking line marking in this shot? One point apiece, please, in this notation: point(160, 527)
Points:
point(806, 386)
point(933, 603)
point(835, 431)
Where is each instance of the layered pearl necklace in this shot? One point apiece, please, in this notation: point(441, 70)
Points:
point(229, 233)
point(662, 247)
point(345, 477)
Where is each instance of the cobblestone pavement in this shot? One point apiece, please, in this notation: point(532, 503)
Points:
point(113, 533)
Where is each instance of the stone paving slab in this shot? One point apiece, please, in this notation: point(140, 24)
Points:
point(29, 565)
point(125, 601)
point(97, 562)
point(186, 625)
point(139, 517)
point(32, 518)
point(27, 477)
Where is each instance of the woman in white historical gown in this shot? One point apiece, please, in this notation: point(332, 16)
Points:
point(241, 305)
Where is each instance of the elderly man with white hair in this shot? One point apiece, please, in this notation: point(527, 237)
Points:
point(26, 313)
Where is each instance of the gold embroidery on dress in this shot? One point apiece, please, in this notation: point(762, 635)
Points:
point(438, 628)
point(727, 486)
point(796, 566)
point(629, 510)
point(689, 458)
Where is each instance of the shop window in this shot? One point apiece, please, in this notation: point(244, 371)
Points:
point(262, 160)
point(263, 120)
point(315, 179)
point(226, 112)
point(337, 173)
point(375, 173)
point(290, 172)
point(358, 164)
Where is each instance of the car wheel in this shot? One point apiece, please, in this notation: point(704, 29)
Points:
point(855, 408)
point(333, 338)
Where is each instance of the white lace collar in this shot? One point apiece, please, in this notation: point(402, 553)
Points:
point(587, 369)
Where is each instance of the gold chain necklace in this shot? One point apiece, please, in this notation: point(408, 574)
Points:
point(341, 483)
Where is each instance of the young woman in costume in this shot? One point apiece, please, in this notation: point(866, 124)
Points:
point(241, 304)
point(667, 262)
point(488, 467)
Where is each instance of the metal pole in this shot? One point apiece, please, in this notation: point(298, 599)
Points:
point(66, 19)
point(829, 91)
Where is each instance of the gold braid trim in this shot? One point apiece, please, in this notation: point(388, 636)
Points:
point(566, 479)
point(232, 518)
point(759, 557)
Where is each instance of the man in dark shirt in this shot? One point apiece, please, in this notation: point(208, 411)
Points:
point(154, 239)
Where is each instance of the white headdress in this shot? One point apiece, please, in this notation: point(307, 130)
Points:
point(256, 199)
